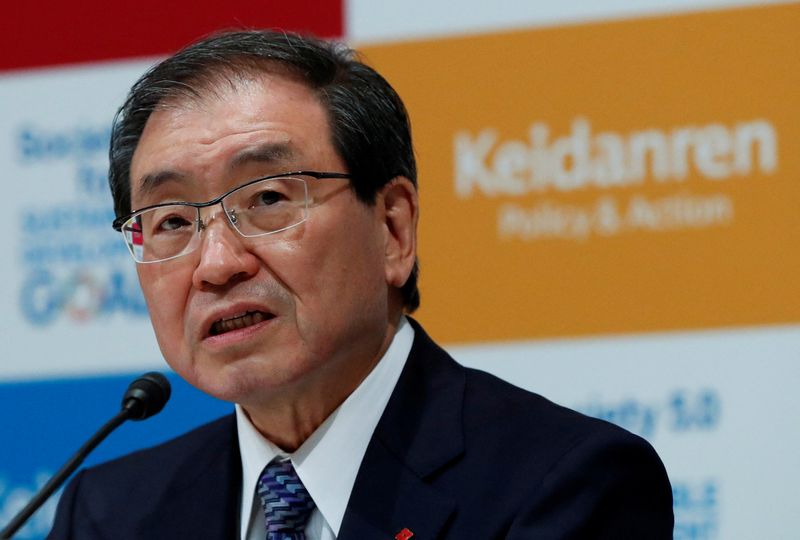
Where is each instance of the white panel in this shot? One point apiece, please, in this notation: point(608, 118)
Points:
point(72, 302)
point(720, 408)
point(368, 21)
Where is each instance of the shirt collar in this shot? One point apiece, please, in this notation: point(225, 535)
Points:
point(328, 461)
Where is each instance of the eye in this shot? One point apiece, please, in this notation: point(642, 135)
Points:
point(267, 198)
point(172, 223)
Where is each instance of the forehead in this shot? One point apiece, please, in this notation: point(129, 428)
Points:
point(267, 121)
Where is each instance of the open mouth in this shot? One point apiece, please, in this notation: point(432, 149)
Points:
point(237, 322)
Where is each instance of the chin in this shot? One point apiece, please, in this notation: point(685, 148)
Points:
point(237, 385)
point(226, 387)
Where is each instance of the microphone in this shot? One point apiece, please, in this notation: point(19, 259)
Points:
point(144, 397)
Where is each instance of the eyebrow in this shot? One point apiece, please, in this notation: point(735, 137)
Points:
point(149, 182)
point(270, 153)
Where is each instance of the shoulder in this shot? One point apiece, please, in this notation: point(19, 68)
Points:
point(191, 479)
point(511, 416)
point(207, 440)
point(551, 443)
point(545, 469)
point(501, 416)
point(166, 467)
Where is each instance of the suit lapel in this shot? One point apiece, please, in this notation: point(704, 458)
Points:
point(419, 434)
point(203, 499)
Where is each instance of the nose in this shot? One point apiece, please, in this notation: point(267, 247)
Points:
point(224, 256)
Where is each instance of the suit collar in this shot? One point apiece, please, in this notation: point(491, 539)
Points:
point(419, 434)
point(422, 422)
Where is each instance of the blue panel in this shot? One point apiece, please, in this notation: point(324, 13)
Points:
point(43, 423)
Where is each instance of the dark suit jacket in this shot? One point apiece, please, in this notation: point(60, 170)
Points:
point(457, 454)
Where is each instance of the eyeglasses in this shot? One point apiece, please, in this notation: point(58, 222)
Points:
point(260, 207)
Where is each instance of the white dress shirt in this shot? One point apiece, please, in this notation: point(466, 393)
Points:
point(328, 461)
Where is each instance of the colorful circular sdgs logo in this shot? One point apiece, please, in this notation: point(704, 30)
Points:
point(80, 295)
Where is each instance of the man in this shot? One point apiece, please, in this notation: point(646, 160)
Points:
point(285, 293)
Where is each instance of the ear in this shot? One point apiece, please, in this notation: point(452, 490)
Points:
point(400, 214)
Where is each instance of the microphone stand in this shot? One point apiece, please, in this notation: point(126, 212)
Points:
point(145, 397)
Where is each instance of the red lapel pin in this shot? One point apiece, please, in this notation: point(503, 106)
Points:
point(405, 534)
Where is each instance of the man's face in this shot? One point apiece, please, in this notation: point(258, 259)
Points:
point(312, 301)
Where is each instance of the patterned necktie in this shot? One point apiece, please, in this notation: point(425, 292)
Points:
point(286, 502)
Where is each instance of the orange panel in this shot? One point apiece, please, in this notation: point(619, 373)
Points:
point(631, 176)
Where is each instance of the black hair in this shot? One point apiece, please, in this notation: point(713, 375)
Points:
point(369, 123)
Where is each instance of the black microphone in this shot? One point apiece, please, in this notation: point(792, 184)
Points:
point(145, 397)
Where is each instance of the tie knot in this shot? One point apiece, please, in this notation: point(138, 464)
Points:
point(286, 502)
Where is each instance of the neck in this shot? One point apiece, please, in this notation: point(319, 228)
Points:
point(289, 419)
point(289, 427)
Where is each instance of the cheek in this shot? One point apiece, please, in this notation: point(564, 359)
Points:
point(327, 270)
point(348, 269)
point(165, 294)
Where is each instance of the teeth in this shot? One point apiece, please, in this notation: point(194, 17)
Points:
point(237, 322)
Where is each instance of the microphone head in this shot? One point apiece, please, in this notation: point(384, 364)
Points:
point(146, 396)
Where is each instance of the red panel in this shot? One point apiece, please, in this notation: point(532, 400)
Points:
point(43, 34)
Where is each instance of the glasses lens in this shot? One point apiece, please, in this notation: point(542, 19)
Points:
point(160, 233)
point(268, 206)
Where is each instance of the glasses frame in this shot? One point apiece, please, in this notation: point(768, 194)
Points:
point(120, 221)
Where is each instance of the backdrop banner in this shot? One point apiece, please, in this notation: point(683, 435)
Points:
point(610, 217)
